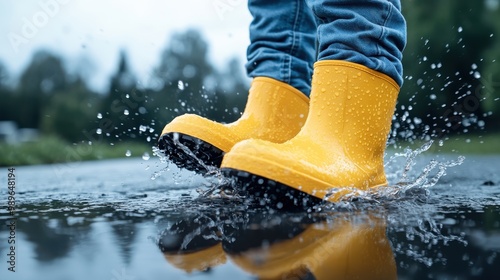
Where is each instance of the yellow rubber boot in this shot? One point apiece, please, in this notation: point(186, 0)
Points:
point(341, 145)
point(274, 112)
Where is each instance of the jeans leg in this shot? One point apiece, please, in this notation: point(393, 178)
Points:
point(371, 33)
point(282, 42)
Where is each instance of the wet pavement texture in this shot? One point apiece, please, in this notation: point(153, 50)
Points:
point(110, 220)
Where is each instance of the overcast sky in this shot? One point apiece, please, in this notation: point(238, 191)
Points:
point(95, 30)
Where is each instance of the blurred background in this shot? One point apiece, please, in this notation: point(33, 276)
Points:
point(86, 80)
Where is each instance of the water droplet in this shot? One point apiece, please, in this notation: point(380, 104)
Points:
point(180, 85)
point(477, 75)
point(98, 131)
point(424, 58)
point(432, 97)
point(126, 112)
point(145, 156)
point(99, 115)
point(143, 128)
point(460, 29)
point(128, 153)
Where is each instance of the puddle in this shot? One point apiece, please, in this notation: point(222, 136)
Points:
point(109, 220)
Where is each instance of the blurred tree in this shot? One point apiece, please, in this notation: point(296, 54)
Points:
point(232, 89)
point(3, 76)
point(446, 43)
point(490, 80)
point(183, 71)
point(185, 60)
point(7, 105)
point(124, 106)
point(44, 76)
point(187, 82)
point(71, 112)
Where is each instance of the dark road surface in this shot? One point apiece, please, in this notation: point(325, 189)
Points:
point(110, 220)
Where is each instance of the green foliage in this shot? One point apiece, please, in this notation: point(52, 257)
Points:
point(51, 149)
point(491, 79)
point(188, 83)
point(445, 63)
point(8, 102)
point(3, 75)
point(124, 106)
point(70, 113)
point(44, 76)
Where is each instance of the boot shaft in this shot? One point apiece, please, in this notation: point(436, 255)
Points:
point(352, 107)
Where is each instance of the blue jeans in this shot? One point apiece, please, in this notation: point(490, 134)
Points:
point(288, 36)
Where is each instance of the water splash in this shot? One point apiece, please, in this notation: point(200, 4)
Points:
point(406, 187)
point(405, 204)
point(408, 210)
point(216, 182)
point(163, 160)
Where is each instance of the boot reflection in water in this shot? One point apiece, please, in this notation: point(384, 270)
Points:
point(355, 83)
point(187, 246)
point(349, 247)
point(345, 249)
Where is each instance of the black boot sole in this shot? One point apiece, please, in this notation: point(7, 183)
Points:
point(270, 193)
point(190, 153)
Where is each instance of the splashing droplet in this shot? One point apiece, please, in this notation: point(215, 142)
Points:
point(180, 85)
